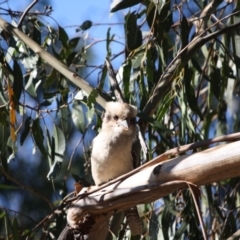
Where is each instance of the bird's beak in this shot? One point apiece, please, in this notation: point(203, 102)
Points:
point(124, 124)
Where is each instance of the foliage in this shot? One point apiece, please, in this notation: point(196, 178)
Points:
point(44, 115)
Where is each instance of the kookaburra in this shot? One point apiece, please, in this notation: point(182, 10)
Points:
point(112, 151)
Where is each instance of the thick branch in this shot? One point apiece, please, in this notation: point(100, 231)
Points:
point(161, 179)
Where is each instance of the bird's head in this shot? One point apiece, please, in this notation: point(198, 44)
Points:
point(120, 117)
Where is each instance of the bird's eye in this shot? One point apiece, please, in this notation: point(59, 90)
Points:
point(115, 117)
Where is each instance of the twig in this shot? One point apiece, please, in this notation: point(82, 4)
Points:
point(191, 186)
point(114, 83)
point(25, 12)
point(20, 213)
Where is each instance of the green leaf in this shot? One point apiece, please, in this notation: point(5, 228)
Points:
point(18, 81)
point(137, 58)
point(153, 226)
point(11, 145)
point(159, 22)
point(124, 4)
point(78, 116)
point(71, 58)
point(65, 120)
point(92, 98)
point(103, 77)
point(8, 187)
point(90, 114)
point(164, 107)
point(142, 86)
point(60, 143)
point(181, 230)
point(133, 33)
point(26, 130)
point(4, 135)
point(10, 54)
point(108, 41)
point(73, 42)
point(7, 224)
point(57, 146)
point(48, 95)
point(64, 92)
point(166, 222)
point(63, 37)
point(54, 170)
point(36, 34)
point(184, 34)
point(3, 116)
point(215, 77)
point(51, 78)
point(126, 78)
point(38, 136)
point(29, 86)
point(190, 94)
point(15, 229)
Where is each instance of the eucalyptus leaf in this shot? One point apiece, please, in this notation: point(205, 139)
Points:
point(38, 136)
point(73, 42)
point(153, 226)
point(123, 4)
point(92, 98)
point(90, 114)
point(18, 81)
point(133, 33)
point(15, 229)
point(54, 170)
point(29, 86)
point(63, 37)
point(78, 116)
point(57, 146)
point(26, 130)
point(60, 143)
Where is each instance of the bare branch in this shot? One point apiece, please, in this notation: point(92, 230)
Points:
point(25, 12)
point(114, 84)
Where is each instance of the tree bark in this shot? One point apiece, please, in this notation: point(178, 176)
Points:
point(160, 179)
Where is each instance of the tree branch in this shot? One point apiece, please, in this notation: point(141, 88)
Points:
point(113, 81)
point(158, 180)
point(25, 12)
point(161, 158)
point(59, 66)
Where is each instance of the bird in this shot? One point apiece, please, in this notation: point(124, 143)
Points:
point(112, 151)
